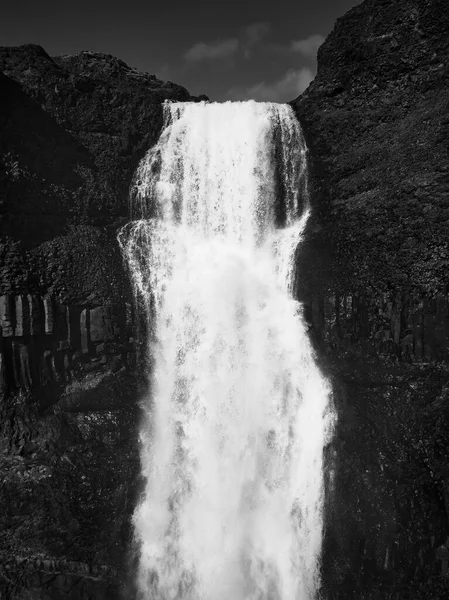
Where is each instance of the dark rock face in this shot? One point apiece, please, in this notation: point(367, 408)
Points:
point(374, 279)
point(376, 119)
point(72, 130)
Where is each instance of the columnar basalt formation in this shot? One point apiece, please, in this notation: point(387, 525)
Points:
point(374, 283)
point(46, 342)
point(72, 131)
point(403, 326)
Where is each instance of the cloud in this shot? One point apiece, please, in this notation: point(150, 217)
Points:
point(220, 49)
point(212, 51)
point(293, 83)
point(308, 46)
point(254, 34)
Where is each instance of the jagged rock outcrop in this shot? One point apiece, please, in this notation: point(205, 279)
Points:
point(377, 125)
point(374, 279)
point(72, 130)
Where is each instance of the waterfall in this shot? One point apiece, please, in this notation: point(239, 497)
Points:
point(237, 413)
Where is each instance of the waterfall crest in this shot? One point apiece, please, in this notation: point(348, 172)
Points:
point(238, 413)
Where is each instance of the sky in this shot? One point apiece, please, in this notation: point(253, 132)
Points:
point(228, 50)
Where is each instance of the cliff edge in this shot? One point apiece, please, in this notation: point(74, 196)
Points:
point(72, 131)
point(373, 275)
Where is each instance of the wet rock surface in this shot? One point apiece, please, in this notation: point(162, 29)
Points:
point(373, 276)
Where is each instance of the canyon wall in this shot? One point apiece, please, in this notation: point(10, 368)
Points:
point(373, 275)
point(72, 131)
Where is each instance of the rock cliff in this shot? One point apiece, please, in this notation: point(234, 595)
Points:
point(374, 279)
point(72, 130)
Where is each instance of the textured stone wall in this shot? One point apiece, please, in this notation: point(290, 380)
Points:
point(408, 327)
point(53, 580)
point(44, 342)
point(68, 447)
point(373, 277)
point(72, 131)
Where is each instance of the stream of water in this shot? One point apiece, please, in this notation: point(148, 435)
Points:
point(237, 414)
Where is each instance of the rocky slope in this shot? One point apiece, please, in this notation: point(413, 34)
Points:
point(374, 277)
point(72, 130)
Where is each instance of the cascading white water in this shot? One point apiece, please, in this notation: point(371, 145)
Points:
point(237, 415)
